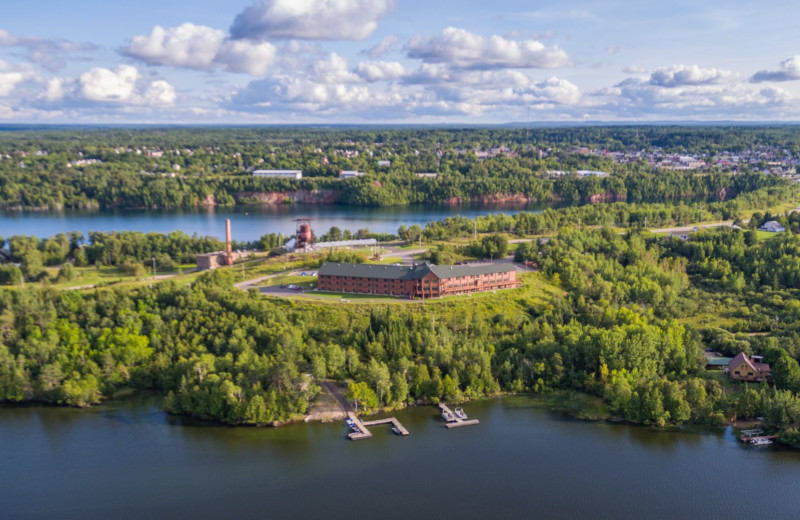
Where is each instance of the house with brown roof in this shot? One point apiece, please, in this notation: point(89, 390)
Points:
point(748, 368)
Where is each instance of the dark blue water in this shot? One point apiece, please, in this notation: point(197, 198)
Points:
point(128, 460)
point(248, 223)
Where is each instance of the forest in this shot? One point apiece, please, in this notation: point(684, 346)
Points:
point(611, 316)
point(171, 167)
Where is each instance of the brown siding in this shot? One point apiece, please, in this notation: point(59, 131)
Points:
point(430, 286)
point(745, 372)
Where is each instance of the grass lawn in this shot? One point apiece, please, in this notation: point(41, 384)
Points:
point(705, 319)
point(766, 235)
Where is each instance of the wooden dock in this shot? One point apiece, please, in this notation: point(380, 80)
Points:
point(457, 422)
point(391, 420)
point(364, 431)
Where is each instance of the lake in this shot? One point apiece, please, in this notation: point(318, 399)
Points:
point(129, 460)
point(247, 222)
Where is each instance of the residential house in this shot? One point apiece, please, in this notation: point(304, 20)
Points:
point(748, 368)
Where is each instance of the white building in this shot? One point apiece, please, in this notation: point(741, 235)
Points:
point(427, 175)
point(364, 242)
point(279, 174)
point(384, 163)
point(348, 174)
point(773, 226)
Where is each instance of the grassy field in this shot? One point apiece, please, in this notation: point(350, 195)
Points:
point(107, 275)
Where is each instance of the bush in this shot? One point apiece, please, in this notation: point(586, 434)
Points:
point(67, 273)
point(131, 268)
point(10, 275)
point(164, 262)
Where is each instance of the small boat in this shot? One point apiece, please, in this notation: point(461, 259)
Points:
point(460, 413)
point(447, 416)
point(761, 441)
point(396, 430)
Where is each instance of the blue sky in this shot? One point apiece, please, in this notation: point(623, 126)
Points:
point(383, 61)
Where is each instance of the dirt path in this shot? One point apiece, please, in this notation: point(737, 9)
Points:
point(330, 404)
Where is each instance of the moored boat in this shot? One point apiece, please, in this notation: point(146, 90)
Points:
point(460, 413)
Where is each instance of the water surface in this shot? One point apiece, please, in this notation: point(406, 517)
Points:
point(248, 222)
point(129, 460)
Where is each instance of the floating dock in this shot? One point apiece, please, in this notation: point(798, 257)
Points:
point(757, 437)
point(364, 432)
point(457, 422)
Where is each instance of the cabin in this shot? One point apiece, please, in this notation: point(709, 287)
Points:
point(748, 368)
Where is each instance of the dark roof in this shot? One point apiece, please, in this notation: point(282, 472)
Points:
point(452, 271)
point(396, 272)
point(389, 272)
point(741, 357)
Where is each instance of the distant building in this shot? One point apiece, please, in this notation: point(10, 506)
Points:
point(349, 174)
point(748, 368)
point(591, 173)
point(384, 163)
point(279, 174)
point(364, 242)
point(418, 281)
point(427, 175)
point(773, 226)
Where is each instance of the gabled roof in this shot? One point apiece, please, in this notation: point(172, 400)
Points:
point(741, 357)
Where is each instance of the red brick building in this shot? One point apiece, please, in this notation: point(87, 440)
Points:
point(418, 281)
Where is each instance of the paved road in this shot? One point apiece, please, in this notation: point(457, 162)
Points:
point(250, 283)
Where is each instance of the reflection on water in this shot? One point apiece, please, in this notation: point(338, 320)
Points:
point(248, 222)
point(129, 460)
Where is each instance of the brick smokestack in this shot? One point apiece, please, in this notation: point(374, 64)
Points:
point(228, 245)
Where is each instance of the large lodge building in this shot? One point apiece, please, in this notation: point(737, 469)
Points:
point(419, 281)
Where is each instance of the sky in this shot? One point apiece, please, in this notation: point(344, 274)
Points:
point(398, 61)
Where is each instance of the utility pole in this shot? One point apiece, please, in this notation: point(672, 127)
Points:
point(154, 268)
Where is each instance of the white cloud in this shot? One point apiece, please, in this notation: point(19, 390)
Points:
point(544, 94)
point(634, 69)
point(463, 49)
point(293, 93)
point(201, 47)
point(247, 57)
point(789, 71)
point(641, 98)
point(333, 69)
point(382, 47)
point(309, 19)
point(11, 76)
point(380, 70)
point(690, 75)
point(121, 86)
point(52, 54)
point(55, 89)
point(187, 45)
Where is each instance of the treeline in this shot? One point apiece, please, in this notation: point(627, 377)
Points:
point(168, 168)
point(610, 315)
point(129, 250)
point(619, 215)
